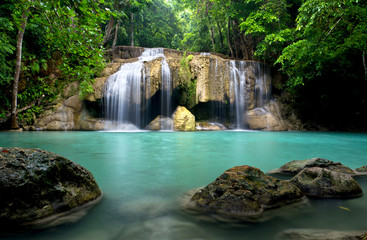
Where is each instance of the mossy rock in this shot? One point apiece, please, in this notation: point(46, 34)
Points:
point(37, 186)
point(324, 183)
point(242, 194)
point(296, 166)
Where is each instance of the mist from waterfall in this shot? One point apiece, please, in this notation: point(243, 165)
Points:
point(125, 103)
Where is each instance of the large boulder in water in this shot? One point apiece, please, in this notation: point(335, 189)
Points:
point(38, 186)
point(243, 193)
point(296, 166)
point(183, 120)
point(321, 182)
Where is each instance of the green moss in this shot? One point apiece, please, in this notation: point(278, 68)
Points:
point(187, 84)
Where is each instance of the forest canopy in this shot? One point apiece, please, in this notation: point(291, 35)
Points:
point(45, 45)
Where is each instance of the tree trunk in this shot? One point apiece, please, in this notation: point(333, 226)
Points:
point(235, 42)
point(229, 37)
point(108, 31)
point(132, 29)
point(364, 64)
point(220, 34)
point(14, 123)
point(116, 32)
point(211, 29)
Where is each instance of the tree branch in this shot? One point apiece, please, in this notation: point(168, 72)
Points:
point(332, 29)
point(34, 103)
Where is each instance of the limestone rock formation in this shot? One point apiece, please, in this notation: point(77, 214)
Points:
point(212, 91)
point(183, 120)
point(296, 166)
point(37, 186)
point(324, 183)
point(243, 193)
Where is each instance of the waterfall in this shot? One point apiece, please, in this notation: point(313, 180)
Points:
point(238, 86)
point(248, 93)
point(166, 89)
point(125, 102)
point(262, 85)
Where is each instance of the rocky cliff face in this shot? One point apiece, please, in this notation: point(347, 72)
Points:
point(235, 94)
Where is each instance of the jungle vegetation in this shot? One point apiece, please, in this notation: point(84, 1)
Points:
point(317, 48)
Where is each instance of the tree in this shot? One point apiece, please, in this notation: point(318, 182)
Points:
point(23, 21)
point(70, 29)
point(327, 32)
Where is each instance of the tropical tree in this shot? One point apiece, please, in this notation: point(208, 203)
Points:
point(70, 29)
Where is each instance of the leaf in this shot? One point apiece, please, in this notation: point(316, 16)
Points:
point(344, 208)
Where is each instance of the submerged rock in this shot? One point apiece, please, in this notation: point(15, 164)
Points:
point(242, 193)
point(320, 234)
point(296, 166)
point(323, 183)
point(38, 186)
point(183, 120)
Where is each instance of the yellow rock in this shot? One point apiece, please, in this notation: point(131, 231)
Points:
point(183, 120)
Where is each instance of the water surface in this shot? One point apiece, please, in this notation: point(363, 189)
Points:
point(143, 176)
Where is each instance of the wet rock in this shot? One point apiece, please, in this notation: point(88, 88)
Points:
point(295, 166)
point(183, 120)
point(38, 186)
point(259, 119)
point(320, 234)
point(206, 126)
point(242, 194)
point(160, 123)
point(361, 170)
point(323, 183)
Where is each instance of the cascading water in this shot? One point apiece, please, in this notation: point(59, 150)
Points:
point(241, 88)
point(126, 106)
point(238, 83)
point(262, 85)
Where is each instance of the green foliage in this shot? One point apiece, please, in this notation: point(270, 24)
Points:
point(74, 32)
point(155, 25)
point(62, 38)
point(191, 94)
point(185, 72)
point(327, 32)
point(186, 83)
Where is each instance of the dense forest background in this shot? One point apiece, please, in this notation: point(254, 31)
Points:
point(317, 48)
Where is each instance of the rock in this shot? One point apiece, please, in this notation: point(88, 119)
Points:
point(92, 124)
point(38, 186)
point(183, 120)
point(160, 123)
point(243, 193)
point(324, 183)
point(319, 234)
point(295, 166)
point(361, 170)
point(207, 126)
point(63, 117)
point(60, 119)
point(261, 119)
